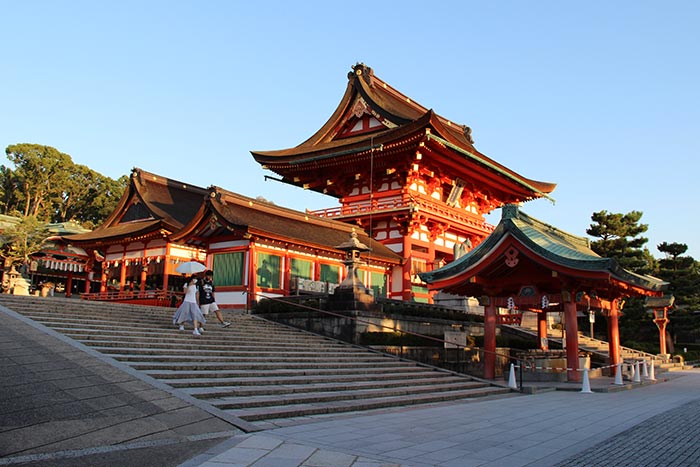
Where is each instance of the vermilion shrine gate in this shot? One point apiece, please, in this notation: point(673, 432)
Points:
point(410, 178)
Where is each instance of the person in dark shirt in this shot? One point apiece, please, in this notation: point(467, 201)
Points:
point(207, 300)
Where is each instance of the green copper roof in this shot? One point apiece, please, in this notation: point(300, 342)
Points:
point(547, 242)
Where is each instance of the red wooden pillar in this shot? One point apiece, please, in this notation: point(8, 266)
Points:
point(542, 330)
point(571, 339)
point(490, 338)
point(122, 275)
point(287, 273)
point(614, 335)
point(407, 287)
point(144, 276)
point(252, 276)
point(103, 280)
point(69, 285)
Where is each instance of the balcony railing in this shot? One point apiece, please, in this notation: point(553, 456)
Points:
point(415, 204)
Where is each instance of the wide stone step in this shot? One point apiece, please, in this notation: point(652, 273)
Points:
point(163, 323)
point(211, 392)
point(287, 378)
point(244, 402)
point(188, 342)
point(307, 409)
point(281, 360)
point(262, 366)
point(176, 337)
point(277, 375)
point(233, 351)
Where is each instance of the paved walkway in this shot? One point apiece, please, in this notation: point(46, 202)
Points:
point(654, 425)
point(63, 404)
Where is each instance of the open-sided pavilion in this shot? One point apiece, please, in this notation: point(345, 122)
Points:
point(526, 264)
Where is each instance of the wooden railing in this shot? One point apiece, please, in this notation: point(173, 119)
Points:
point(137, 297)
point(422, 204)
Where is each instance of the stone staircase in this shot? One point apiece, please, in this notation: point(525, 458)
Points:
point(255, 369)
point(600, 348)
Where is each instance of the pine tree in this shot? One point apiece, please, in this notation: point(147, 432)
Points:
point(620, 239)
point(682, 273)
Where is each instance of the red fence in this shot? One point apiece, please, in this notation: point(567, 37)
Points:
point(137, 297)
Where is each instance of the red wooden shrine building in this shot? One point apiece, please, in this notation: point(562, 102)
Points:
point(406, 177)
point(528, 265)
point(258, 249)
point(410, 178)
point(255, 248)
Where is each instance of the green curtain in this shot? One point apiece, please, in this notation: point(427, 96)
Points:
point(301, 268)
point(330, 273)
point(378, 284)
point(268, 273)
point(228, 268)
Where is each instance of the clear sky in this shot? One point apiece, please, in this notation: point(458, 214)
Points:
point(601, 97)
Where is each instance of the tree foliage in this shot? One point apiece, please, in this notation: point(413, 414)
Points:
point(48, 185)
point(23, 239)
point(620, 238)
point(682, 273)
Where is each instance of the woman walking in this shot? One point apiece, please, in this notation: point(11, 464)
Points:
point(188, 311)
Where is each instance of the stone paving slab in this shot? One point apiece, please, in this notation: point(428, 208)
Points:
point(62, 406)
point(670, 439)
point(652, 425)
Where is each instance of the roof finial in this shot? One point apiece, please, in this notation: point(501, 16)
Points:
point(510, 211)
point(363, 71)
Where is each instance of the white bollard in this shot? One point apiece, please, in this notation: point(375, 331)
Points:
point(586, 386)
point(635, 372)
point(511, 378)
point(645, 373)
point(652, 376)
point(618, 374)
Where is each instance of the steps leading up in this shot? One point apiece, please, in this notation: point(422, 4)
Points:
point(257, 370)
point(600, 348)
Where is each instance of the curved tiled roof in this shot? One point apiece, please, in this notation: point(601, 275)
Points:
point(167, 205)
point(270, 221)
point(547, 242)
point(403, 114)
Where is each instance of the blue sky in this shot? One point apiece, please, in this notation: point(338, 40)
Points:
point(601, 97)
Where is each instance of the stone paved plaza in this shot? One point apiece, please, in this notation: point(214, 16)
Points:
point(62, 405)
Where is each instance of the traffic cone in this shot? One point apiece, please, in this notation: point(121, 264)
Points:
point(511, 378)
point(652, 377)
point(645, 373)
point(586, 386)
point(618, 374)
point(635, 373)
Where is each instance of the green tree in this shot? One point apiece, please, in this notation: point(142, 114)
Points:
point(47, 184)
point(23, 239)
point(102, 200)
point(41, 172)
point(9, 190)
point(682, 273)
point(620, 238)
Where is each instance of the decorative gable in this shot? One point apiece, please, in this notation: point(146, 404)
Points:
point(136, 212)
point(361, 119)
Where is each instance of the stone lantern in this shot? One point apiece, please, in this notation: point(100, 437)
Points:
point(351, 293)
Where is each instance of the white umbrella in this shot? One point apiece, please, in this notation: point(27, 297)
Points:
point(190, 267)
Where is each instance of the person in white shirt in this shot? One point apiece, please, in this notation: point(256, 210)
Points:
point(189, 311)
